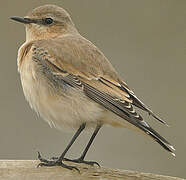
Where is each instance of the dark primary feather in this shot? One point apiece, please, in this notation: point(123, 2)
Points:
point(135, 100)
point(141, 105)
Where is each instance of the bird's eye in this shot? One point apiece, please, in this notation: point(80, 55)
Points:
point(48, 20)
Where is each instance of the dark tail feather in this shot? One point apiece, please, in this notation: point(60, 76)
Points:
point(157, 137)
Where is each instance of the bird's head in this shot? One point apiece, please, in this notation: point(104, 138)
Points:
point(47, 21)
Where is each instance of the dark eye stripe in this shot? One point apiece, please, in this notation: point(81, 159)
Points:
point(48, 21)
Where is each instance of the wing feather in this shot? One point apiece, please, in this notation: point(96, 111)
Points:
point(133, 98)
point(138, 103)
point(104, 90)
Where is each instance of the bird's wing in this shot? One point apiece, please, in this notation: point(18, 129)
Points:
point(82, 58)
point(81, 65)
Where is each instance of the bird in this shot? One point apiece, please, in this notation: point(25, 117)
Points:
point(71, 84)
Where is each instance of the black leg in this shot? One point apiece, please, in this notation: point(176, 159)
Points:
point(81, 159)
point(59, 162)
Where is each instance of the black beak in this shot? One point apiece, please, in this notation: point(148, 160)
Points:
point(23, 20)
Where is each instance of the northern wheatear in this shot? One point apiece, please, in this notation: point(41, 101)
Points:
point(70, 83)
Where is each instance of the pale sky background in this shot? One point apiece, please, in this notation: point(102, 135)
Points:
point(145, 40)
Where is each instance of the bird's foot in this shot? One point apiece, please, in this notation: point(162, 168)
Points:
point(80, 161)
point(54, 162)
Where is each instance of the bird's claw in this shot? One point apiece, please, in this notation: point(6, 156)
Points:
point(56, 162)
point(79, 160)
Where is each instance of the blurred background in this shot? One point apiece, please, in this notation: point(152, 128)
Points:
point(146, 42)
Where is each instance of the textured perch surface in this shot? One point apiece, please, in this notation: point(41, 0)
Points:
point(26, 170)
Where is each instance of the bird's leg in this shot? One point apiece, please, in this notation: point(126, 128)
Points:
point(58, 161)
point(81, 158)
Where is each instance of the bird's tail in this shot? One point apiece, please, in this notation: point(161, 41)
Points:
point(156, 136)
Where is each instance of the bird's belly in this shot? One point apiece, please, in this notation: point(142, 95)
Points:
point(70, 108)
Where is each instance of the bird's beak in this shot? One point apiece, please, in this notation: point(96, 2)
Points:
point(23, 20)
